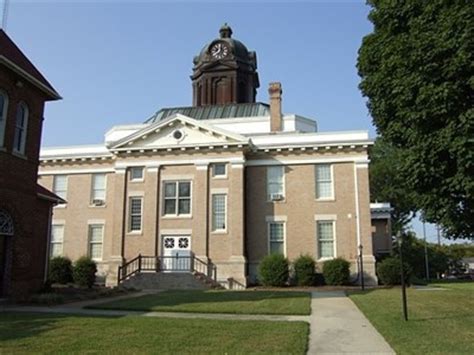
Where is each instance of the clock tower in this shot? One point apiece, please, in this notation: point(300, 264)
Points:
point(225, 72)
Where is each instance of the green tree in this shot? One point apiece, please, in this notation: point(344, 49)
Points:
point(386, 183)
point(417, 72)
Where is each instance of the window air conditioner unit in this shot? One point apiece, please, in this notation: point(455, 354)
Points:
point(276, 197)
point(98, 202)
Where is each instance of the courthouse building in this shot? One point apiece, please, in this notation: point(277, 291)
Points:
point(223, 182)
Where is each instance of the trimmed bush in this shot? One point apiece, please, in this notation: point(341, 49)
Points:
point(84, 272)
point(336, 271)
point(305, 267)
point(388, 271)
point(60, 270)
point(273, 270)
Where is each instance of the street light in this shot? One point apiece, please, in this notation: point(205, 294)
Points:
point(361, 261)
point(402, 273)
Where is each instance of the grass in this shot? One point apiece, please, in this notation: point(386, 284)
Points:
point(42, 333)
point(439, 322)
point(235, 302)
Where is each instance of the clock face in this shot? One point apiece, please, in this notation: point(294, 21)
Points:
point(219, 51)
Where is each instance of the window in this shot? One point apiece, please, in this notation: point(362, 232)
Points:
point(177, 198)
point(3, 115)
point(325, 235)
point(135, 220)
point(57, 236)
point(20, 128)
point(136, 173)
point(219, 212)
point(219, 170)
point(277, 237)
point(324, 188)
point(60, 186)
point(98, 189)
point(275, 188)
point(96, 235)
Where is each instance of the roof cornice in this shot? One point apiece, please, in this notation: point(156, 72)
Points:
point(8, 63)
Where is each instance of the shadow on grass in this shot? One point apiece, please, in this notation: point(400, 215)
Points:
point(15, 326)
point(181, 298)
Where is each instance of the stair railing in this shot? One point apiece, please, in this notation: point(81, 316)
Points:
point(166, 263)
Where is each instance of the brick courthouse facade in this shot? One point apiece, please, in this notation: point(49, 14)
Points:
point(228, 180)
point(25, 206)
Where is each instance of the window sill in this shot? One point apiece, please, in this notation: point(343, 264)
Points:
point(94, 206)
point(218, 177)
point(135, 233)
point(219, 231)
point(62, 205)
point(325, 259)
point(137, 181)
point(277, 201)
point(326, 199)
point(184, 216)
point(19, 155)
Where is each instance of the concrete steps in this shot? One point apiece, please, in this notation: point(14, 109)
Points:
point(170, 281)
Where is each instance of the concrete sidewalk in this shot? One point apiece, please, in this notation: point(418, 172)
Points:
point(337, 326)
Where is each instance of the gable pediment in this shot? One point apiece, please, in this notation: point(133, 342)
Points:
point(178, 131)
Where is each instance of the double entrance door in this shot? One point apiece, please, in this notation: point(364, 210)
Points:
point(176, 253)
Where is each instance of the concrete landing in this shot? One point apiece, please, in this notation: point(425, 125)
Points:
point(338, 326)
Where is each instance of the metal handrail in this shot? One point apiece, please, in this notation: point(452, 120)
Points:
point(166, 263)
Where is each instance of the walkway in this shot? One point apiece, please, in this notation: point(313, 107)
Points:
point(337, 326)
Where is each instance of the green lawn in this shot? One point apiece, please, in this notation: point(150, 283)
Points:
point(439, 322)
point(238, 302)
point(44, 333)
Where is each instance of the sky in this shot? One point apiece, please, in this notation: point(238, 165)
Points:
point(118, 62)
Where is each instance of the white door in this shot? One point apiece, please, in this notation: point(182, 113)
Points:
point(176, 253)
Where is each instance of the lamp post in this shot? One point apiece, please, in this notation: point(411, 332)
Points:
point(402, 273)
point(361, 261)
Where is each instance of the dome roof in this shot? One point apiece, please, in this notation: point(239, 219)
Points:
point(238, 49)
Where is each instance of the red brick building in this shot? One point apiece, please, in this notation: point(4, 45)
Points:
point(25, 207)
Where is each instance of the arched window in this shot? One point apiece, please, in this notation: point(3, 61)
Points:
point(3, 115)
point(20, 128)
point(6, 223)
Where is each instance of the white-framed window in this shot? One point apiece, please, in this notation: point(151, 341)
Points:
point(137, 173)
point(177, 198)
point(325, 234)
point(276, 237)
point(96, 237)
point(60, 186)
point(98, 189)
point(57, 240)
point(21, 125)
point(3, 115)
point(219, 170)
point(135, 214)
point(324, 181)
point(219, 212)
point(275, 183)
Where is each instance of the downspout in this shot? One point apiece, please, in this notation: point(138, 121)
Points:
point(48, 243)
point(356, 191)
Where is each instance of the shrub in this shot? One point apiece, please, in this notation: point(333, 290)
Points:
point(84, 272)
point(336, 271)
point(274, 270)
point(305, 270)
point(388, 271)
point(60, 270)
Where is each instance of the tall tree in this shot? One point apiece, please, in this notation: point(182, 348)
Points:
point(386, 183)
point(417, 72)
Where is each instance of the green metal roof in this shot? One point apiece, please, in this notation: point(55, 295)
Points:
point(214, 111)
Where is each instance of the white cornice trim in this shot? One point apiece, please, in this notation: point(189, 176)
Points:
point(29, 77)
point(293, 161)
point(76, 171)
